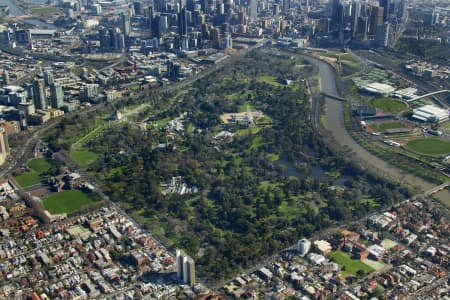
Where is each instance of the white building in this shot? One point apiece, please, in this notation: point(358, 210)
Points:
point(303, 246)
point(316, 259)
point(378, 88)
point(430, 113)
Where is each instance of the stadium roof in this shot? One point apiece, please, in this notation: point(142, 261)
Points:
point(378, 88)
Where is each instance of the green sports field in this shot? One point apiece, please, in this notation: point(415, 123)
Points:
point(429, 146)
point(28, 179)
point(68, 201)
point(382, 127)
point(38, 166)
point(350, 266)
point(389, 105)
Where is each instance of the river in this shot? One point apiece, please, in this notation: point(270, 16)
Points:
point(334, 111)
point(14, 10)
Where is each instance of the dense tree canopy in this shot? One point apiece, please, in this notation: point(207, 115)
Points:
point(250, 204)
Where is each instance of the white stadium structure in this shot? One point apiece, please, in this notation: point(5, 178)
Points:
point(378, 88)
point(430, 113)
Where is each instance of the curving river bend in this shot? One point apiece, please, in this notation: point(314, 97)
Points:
point(334, 111)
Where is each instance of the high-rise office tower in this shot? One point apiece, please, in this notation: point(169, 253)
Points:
point(185, 268)
point(228, 41)
point(286, 6)
point(182, 22)
point(253, 10)
point(56, 96)
point(386, 4)
point(355, 14)
point(48, 78)
point(383, 34)
point(126, 24)
point(104, 38)
point(376, 20)
point(163, 24)
point(119, 42)
point(39, 97)
point(215, 37)
point(337, 15)
point(138, 8)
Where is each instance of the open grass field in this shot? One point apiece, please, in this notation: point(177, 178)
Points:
point(245, 95)
point(28, 179)
point(350, 266)
point(376, 265)
point(270, 80)
point(429, 146)
point(48, 10)
point(389, 105)
point(38, 167)
point(382, 127)
point(68, 201)
point(84, 157)
point(90, 136)
point(245, 107)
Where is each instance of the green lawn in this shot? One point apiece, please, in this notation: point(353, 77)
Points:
point(244, 95)
point(271, 80)
point(28, 179)
point(381, 127)
point(389, 105)
point(68, 201)
point(376, 265)
point(351, 266)
point(90, 136)
point(38, 167)
point(44, 10)
point(290, 211)
point(247, 106)
point(84, 157)
point(430, 146)
point(247, 131)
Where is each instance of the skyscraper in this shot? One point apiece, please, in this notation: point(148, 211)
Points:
point(286, 6)
point(355, 14)
point(39, 97)
point(126, 24)
point(337, 15)
point(382, 37)
point(48, 77)
point(253, 10)
point(386, 4)
point(185, 268)
point(56, 96)
point(104, 38)
point(182, 22)
point(376, 20)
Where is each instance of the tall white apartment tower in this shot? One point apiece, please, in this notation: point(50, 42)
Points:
point(185, 268)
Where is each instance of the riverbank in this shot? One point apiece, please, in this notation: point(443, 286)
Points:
point(334, 123)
